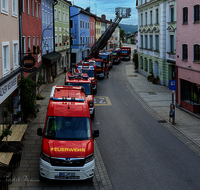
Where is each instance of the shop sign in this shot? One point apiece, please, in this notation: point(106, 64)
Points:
point(28, 61)
point(7, 88)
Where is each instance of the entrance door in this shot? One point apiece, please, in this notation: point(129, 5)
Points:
point(156, 69)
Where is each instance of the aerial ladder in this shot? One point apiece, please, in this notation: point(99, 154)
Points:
point(120, 12)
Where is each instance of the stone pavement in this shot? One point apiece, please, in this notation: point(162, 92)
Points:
point(158, 98)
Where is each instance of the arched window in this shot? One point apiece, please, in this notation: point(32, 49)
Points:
point(197, 53)
point(184, 52)
point(185, 15)
point(196, 13)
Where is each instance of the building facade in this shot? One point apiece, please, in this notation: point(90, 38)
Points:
point(188, 55)
point(154, 32)
point(62, 35)
point(10, 71)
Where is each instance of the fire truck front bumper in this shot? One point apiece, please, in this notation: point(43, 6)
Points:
point(66, 173)
point(100, 75)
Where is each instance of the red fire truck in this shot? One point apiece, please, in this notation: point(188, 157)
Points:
point(82, 79)
point(90, 68)
point(126, 53)
point(107, 59)
point(116, 55)
point(67, 151)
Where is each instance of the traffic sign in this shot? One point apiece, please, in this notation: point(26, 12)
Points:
point(172, 84)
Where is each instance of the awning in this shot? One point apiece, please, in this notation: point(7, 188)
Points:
point(50, 58)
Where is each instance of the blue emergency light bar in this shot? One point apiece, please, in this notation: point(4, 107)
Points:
point(79, 67)
point(68, 99)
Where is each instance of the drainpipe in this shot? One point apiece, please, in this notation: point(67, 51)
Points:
point(55, 3)
point(20, 35)
point(70, 51)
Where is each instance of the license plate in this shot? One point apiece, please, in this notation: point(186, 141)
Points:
point(66, 174)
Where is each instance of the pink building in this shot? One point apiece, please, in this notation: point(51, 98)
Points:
point(188, 55)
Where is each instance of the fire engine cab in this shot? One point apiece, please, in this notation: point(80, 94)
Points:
point(82, 79)
point(67, 151)
point(91, 70)
point(126, 53)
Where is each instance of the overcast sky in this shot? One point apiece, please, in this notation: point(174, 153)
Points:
point(107, 7)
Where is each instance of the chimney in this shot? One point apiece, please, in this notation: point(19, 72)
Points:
point(103, 17)
point(110, 20)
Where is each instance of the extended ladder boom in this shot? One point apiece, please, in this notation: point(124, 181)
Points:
point(101, 43)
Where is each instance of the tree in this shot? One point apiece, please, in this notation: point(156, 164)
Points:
point(122, 34)
point(27, 96)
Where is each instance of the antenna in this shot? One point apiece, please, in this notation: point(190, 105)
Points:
point(95, 8)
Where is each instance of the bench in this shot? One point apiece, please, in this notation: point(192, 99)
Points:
point(18, 131)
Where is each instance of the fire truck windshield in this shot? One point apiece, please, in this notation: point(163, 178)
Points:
point(124, 51)
point(104, 57)
point(86, 86)
point(114, 52)
point(68, 128)
point(98, 63)
point(90, 73)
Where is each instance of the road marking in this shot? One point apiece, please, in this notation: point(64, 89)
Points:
point(102, 101)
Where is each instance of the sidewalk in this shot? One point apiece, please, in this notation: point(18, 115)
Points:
point(159, 97)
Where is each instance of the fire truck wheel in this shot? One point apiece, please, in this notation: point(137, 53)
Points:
point(92, 116)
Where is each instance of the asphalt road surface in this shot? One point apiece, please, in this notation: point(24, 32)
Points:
point(139, 152)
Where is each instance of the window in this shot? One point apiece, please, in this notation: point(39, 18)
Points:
point(23, 45)
point(14, 8)
point(71, 24)
point(197, 13)
point(81, 24)
point(56, 39)
point(141, 44)
point(4, 6)
point(55, 15)
point(157, 43)
point(85, 25)
point(185, 15)
point(33, 40)
point(49, 19)
point(23, 6)
point(172, 14)
point(91, 39)
point(15, 54)
point(67, 18)
point(184, 52)
point(196, 53)
point(88, 25)
point(43, 18)
point(151, 16)
point(32, 4)
point(37, 41)
point(146, 41)
point(60, 39)
point(172, 43)
point(59, 16)
point(52, 43)
point(63, 17)
point(39, 11)
point(5, 58)
point(151, 42)
point(36, 8)
point(81, 40)
point(46, 18)
point(29, 42)
point(141, 21)
point(145, 18)
point(27, 4)
point(157, 16)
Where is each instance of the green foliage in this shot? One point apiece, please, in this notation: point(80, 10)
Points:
point(41, 81)
point(38, 49)
point(122, 33)
point(154, 80)
point(34, 50)
point(6, 132)
point(20, 114)
point(29, 52)
point(39, 97)
point(27, 96)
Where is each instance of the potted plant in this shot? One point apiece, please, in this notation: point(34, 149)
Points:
point(60, 44)
point(155, 80)
point(150, 77)
point(38, 49)
point(5, 132)
point(64, 43)
point(56, 44)
point(34, 50)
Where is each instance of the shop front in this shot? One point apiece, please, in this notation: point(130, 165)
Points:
point(50, 60)
point(9, 98)
point(190, 96)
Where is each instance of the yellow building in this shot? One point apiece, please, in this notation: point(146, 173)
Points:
point(98, 28)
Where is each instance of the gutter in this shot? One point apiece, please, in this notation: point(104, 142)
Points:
point(55, 3)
